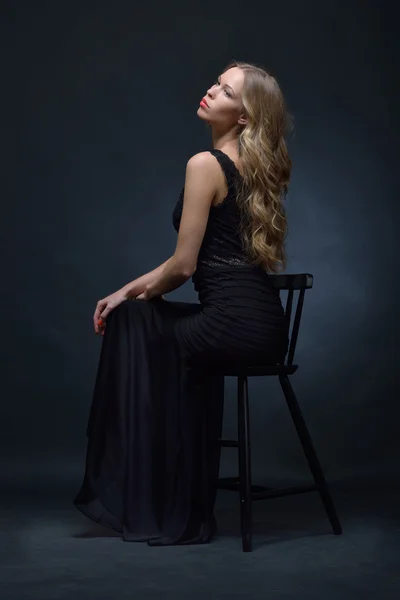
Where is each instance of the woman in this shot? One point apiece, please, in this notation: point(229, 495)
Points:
point(153, 453)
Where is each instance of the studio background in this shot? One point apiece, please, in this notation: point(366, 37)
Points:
point(98, 121)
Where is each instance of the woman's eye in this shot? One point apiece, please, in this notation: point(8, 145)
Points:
point(226, 92)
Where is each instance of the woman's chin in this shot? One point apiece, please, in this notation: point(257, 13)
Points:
point(201, 115)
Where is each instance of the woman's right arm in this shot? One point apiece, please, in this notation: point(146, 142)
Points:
point(127, 292)
point(137, 286)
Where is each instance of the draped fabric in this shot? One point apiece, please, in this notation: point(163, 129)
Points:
point(153, 454)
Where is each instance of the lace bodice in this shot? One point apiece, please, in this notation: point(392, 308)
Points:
point(222, 244)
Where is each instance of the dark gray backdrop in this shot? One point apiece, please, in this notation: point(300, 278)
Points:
point(99, 118)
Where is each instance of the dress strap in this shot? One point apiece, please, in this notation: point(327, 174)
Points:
point(229, 168)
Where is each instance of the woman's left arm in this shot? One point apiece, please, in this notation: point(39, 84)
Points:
point(200, 189)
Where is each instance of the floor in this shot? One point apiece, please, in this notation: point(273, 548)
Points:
point(50, 551)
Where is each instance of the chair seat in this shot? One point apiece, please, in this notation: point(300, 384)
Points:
point(254, 371)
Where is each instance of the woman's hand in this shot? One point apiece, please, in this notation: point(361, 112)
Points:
point(105, 306)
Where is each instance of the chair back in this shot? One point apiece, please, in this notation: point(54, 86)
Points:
point(299, 282)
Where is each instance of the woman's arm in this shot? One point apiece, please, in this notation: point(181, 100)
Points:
point(200, 187)
point(173, 276)
point(137, 286)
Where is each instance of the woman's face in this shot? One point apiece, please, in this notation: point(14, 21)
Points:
point(222, 104)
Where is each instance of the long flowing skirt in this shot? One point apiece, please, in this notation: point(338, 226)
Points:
point(153, 453)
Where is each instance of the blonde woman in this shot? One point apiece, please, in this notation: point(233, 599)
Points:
point(153, 453)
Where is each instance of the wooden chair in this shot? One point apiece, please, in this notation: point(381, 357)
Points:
point(243, 484)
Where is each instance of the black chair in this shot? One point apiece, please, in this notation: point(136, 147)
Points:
point(243, 484)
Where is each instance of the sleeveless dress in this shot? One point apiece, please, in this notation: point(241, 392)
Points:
point(152, 458)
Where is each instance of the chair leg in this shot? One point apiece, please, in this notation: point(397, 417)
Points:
point(244, 464)
point(310, 453)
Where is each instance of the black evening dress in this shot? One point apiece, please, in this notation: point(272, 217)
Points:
point(152, 458)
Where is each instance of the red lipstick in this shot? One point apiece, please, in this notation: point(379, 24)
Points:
point(204, 103)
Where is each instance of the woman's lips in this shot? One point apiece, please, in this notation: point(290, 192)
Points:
point(204, 103)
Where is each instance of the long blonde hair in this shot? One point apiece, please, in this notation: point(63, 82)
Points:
point(266, 168)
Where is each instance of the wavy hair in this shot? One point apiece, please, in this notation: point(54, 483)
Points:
point(266, 168)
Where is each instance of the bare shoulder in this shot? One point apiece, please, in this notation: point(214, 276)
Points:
point(205, 162)
point(203, 170)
